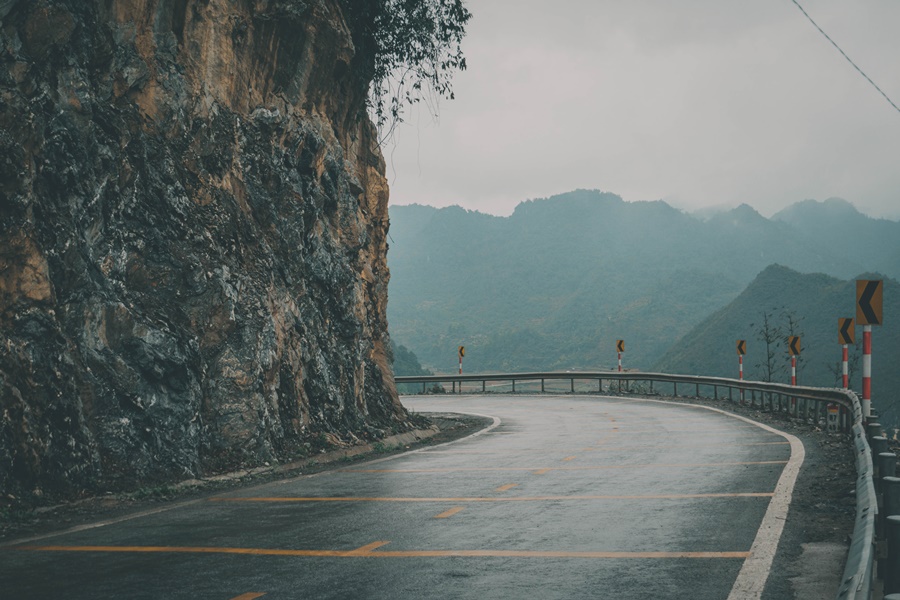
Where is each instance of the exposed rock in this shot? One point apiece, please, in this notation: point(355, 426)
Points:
point(193, 221)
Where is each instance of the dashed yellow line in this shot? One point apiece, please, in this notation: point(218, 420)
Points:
point(542, 471)
point(507, 487)
point(369, 551)
point(568, 458)
point(449, 513)
point(580, 468)
point(463, 499)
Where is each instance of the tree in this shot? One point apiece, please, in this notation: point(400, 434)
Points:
point(770, 335)
point(413, 48)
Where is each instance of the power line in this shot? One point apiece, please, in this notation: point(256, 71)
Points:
point(844, 54)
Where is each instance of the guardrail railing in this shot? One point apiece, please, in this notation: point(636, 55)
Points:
point(806, 402)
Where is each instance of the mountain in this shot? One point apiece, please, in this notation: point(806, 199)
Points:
point(836, 227)
point(553, 285)
point(815, 302)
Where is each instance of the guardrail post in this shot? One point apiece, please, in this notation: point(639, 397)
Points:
point(730, 394)
point(892, 566)
point(572, 385)
point(873, 429)
point(513, 386)
point(879, 444)
point(885, 466)
point(483, 385)
point(599, 385)
point(675, 388)
point(542, 385)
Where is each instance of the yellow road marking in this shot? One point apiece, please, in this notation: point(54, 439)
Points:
point(463, 499)
point(368, 552)
point(542, 471)
point(677, 446)
point(367, 549)
point(507, 487)
point(569, 458)
point(249, 596)
point(449, 513)
point(552, 554)
point(584, 468)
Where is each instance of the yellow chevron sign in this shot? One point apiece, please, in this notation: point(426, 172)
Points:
point(846, 331)
point(741, 347)
point(462, 351)
point(620, 345)
point(869, 300)
point(794, 345)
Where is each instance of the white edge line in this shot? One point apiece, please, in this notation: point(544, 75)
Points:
point(754, 573)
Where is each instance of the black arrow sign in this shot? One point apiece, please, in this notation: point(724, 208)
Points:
point(845, 331)
point(794, 343)
point(620, 345)
point(742, 347)
point(869, 303)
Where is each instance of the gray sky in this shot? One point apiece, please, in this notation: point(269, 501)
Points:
point(698, 102)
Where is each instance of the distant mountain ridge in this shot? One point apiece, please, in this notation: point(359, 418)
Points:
point(818, 301)
point(553, 285)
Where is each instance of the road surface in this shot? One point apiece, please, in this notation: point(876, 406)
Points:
point(563, 497)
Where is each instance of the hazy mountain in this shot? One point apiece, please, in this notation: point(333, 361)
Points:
point(835, 227)
point(816, 301)
point(557, 282)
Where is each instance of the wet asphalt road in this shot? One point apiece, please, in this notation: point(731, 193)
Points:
point(567, 497)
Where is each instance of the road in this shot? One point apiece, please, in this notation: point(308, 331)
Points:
point(563, 497)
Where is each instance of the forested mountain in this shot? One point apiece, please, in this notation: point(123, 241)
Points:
point(556, 283)
point(836, 227)
point(814, 302)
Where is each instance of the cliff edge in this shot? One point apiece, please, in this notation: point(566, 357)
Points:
point(193, 221)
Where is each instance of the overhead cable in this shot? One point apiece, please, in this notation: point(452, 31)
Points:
point(844, 54)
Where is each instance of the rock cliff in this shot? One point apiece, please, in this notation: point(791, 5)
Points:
point(193, 221)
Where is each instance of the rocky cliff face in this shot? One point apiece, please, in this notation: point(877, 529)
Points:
point(193, 213)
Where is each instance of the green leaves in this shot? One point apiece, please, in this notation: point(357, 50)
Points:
point(415, 46)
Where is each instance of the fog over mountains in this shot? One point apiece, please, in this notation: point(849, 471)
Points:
point(556, 283)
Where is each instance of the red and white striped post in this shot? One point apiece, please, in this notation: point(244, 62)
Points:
point(869, 304)
point(461, 351)
point(794, 348)
point(620, 348)
point(844, 371)
point(867, 371)
point(741, 347)
point(619, 356)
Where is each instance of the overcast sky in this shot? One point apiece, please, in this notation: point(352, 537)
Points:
point(697, 102)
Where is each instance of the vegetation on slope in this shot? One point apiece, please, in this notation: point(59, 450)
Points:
point(556, 283)
point(816, 302)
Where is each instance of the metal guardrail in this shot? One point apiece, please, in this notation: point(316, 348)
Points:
point(859, 569)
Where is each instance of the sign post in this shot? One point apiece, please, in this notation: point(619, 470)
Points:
point(794, 349)
point(620, 348)
point(741, 351)
point(846, 336)
point(461, 352)
point(869, 302)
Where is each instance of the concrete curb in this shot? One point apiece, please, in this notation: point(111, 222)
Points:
point(390, 442)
